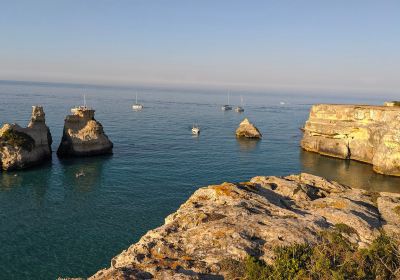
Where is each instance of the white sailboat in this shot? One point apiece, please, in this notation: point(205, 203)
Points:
point(195, 130)
point(137, 106)
point(227, 107)
point(240, 109)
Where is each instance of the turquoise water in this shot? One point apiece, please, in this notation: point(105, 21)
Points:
point(53, 224)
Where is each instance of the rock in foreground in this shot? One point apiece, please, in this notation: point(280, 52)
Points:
point(247, 130)
point(25, 147)
point(231, 221)
point(364, 133)
point(83, 135)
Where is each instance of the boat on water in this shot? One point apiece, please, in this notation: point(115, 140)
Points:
point(137, 106)
point(79, 174)
point(227, 107)
point(195, 130)
point(240, 108)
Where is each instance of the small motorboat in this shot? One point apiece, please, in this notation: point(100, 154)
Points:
point(195, 130)
point(79, 174)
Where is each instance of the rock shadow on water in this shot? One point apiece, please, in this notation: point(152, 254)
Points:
point(83, 174)
point(247, 145)
point(352, 173)
point(35, 179)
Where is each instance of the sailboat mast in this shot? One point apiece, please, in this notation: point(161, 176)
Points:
point(136, 97)
point(84, 100)
point(228, 97)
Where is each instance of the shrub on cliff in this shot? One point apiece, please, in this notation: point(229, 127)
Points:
point(334, 257)
point(17, 139)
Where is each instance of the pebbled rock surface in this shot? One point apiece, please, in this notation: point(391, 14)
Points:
point(20, 147)
point(364, 133)
point(232, 220)
point(247, 130)
point(83, 135)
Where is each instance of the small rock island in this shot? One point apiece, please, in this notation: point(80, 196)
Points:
point(25, 147)
point(83, 135)
point(247, 130)
point(365, 133)
point(219, 226)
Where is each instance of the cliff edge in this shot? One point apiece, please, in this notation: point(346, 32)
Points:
point(231, 221)
point(369, 134)
point(24, 147)
point(83, 135)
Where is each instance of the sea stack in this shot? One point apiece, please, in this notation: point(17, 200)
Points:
point(365, 133)
point(83, 135)
point(25, 147)
point(247, 130)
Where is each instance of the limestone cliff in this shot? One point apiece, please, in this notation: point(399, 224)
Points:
point(230, 221)
point(247, 130)
point(24, 147)
point(364, 133)
point(83, 135)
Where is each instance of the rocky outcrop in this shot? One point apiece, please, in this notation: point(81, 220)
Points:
point(364, 133)
point(24, 147)
point(247, 130)
point(83, 135)
point(230, 221)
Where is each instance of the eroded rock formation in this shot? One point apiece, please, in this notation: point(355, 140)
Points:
point(231, 221)
point(24, 147)
point(364, 133)
point(83, 135)
point(248, 130)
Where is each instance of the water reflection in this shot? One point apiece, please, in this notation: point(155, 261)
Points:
point(351, 173)
point(83, 174)
point(247, 145)
point(35, 182)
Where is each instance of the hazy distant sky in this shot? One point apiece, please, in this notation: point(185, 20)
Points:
point(263, 44)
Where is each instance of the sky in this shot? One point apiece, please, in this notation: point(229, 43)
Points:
point(297, 45)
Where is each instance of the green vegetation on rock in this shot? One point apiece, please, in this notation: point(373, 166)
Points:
point(17, 139)
point(334, 257)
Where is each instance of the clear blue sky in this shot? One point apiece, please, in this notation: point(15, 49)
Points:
point(263, 44)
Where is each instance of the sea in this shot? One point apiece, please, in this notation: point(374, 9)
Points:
point(53, 224)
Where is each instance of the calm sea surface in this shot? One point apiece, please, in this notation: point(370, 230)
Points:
point(53, 224)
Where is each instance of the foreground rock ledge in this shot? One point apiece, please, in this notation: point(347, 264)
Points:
point(364, 133)
point(83, 135)
point(231, 221)
point(20, 147)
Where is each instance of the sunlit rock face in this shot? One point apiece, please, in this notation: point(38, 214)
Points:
point(230, 221)
point(83, 135)
point(25, 147)
point(364, 133)
point(247, 130)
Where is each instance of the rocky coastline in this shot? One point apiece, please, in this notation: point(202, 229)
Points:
point(25, 147)
point(231, 221)
point(83, 135)
point(365, 133)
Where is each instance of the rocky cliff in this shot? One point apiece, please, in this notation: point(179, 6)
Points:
point(233, 220)
point(364, 133)
point(24, 147)
point(83, 135)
